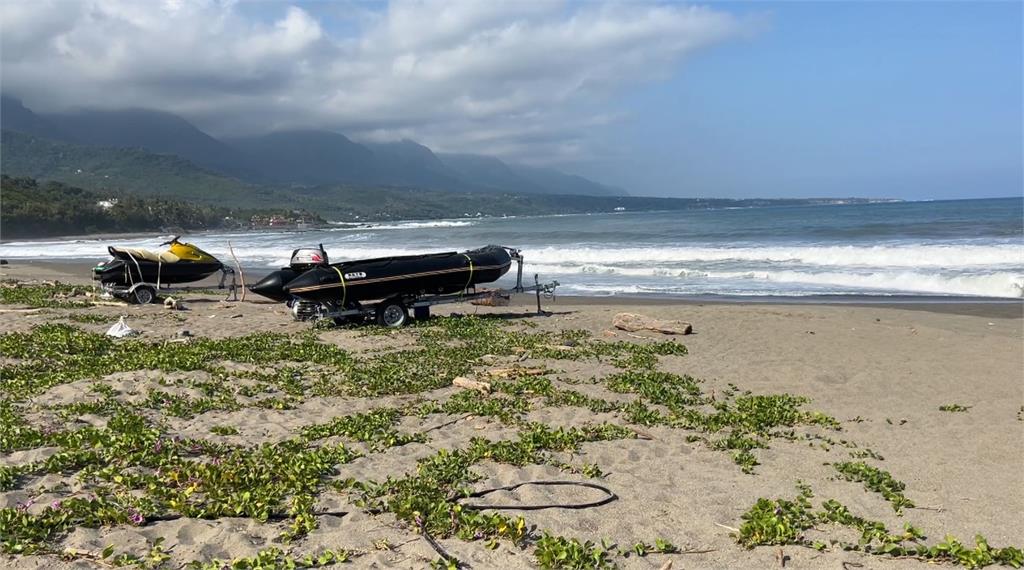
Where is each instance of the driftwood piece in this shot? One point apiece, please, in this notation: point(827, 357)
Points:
point(632, 322)
point(470, 384)
point(509, 372)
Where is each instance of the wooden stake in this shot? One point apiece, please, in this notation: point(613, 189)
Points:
point(241, 275)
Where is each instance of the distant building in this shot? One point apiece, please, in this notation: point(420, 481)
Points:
point(298, 219)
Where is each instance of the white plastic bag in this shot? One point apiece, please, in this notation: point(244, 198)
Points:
point(120, 329)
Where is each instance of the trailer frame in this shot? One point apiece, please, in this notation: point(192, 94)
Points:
point(146, 292)
point(393, 311)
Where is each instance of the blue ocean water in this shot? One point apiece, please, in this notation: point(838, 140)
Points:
point(963, 247)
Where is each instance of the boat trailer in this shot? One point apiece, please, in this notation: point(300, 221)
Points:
point(394, 311)
point(144, 292)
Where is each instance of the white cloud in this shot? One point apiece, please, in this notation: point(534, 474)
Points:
point(289, 36)
point(525, 79)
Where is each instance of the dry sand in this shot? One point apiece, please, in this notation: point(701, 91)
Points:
point(883, 371)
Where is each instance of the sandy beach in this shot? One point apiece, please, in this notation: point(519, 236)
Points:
point(881, 371)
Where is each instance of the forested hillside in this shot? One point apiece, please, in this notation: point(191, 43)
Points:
point(33, 209)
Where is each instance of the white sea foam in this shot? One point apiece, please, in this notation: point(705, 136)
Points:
point(1007, 284)
point(999, 285)
point(911, 255)
point(404, 225)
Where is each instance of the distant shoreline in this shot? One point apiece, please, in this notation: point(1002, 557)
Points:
point(371, 223)
point(156, 234)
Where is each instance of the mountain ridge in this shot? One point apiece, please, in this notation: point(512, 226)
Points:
point(291, 157)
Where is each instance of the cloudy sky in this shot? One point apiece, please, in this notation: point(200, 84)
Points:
point(913, 100)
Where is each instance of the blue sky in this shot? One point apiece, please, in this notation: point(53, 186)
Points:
point(914, 100)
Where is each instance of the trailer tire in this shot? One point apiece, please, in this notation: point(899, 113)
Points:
point(143, 295)
point(392, 313)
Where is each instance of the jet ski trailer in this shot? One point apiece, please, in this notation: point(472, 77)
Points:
point(393, 311)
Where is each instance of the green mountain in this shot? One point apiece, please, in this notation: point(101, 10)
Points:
point(408, 163)
point(15, 116)
point(557, 182)
point(308, 157)
point(302, 157)
point(154, 131)
point(132, 171)
point(489, 172)
point(124, 169)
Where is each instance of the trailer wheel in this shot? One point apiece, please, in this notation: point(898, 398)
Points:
point(392, 313)
point(142, 295)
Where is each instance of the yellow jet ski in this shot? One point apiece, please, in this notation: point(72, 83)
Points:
point(181, 263)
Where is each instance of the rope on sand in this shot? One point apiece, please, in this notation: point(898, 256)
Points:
point(448, 558)
point(270, 517)
point(609, 496)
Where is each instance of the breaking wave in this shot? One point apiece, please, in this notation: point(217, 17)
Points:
point(348, 226)
point(1003, 284)
point(902, 255)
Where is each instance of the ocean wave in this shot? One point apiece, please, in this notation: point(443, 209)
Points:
point(789, 282)
point(403, 225)
point(994, 286)
point(990, 269)
point(1001, 284)
point(911, 255)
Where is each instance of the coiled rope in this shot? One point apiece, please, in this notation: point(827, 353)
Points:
point(609, 496)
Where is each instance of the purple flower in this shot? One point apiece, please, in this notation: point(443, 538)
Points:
point(55, 505)
point(418, 520)
point(158, 446)
point(135, 517)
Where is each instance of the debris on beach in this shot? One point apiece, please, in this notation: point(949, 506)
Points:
point(173, 304)
point(120, 329)
point(515, 371)
point(632, 322)
point(470, 384)
point(495, 299)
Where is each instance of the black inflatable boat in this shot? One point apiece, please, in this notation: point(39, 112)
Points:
point(431, 274)
point(302, 260)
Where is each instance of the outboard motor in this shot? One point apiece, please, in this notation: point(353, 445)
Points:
point(302, 260)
